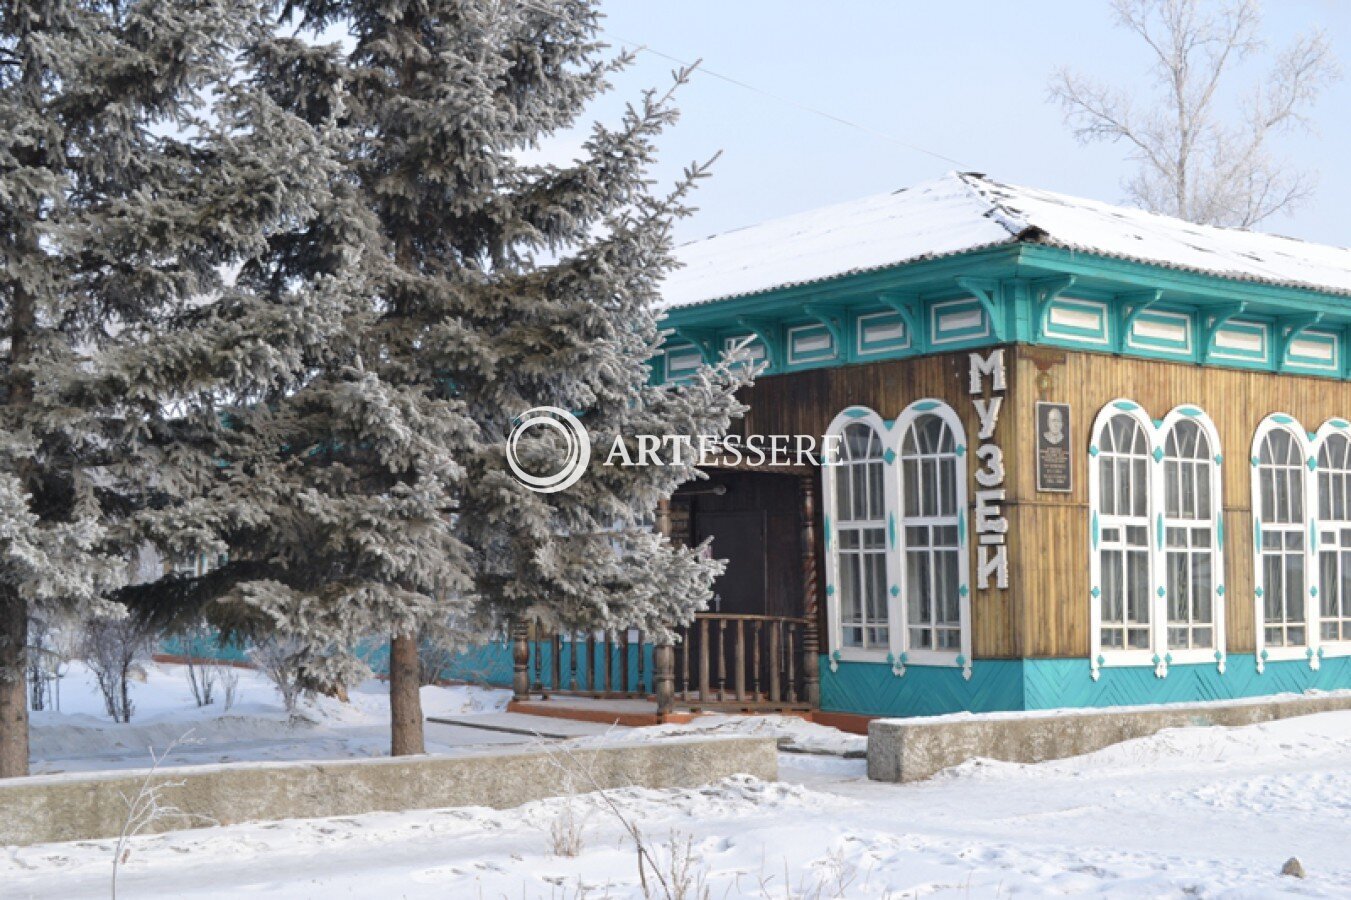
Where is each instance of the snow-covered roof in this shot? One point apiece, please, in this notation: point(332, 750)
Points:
point(961, 212)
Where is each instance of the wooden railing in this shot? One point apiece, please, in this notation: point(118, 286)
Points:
point(732, 661)
point(722, 661)
point(590, 664)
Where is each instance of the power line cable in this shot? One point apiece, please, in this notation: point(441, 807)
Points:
point(700, 68)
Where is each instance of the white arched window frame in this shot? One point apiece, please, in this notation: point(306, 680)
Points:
point(1156, 539)
point(1334, 537)
point(863, 613)
point(933, 538)
point(1191, 561)
point(1288, 540)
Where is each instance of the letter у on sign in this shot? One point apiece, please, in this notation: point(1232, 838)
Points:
point(987, 385)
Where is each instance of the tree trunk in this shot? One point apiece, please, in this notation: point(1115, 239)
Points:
point(13, 697)
point(405, 698)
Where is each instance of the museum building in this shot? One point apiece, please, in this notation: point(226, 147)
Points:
point(1090, 456)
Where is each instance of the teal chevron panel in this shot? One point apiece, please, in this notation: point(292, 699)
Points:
point(872, 689)
point(1055, 683)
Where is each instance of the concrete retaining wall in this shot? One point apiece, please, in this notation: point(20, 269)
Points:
point(912, 749)
point(85, 807)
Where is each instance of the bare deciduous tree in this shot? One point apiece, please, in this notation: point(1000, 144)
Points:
point(1193, 161)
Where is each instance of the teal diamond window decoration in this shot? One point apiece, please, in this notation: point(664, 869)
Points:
point(961, 660)
point(1313, 591)
point(1156, 659)
point(1255, 462)
point(1218, 655)
point(887, 423)
point(960, 451)
point(1158, 423)
point(963, 591)
point(1161, 591)
point(1219, 460)
point(926, 406)
point(1092, 450)
point(1125, 405)
point(889, 456)
point(891, 658)
point(1311, 463)
point(1102, 660)
point(1168, 658)
point(1264, 654)
point(830, 590)
point(1309, 653)
point(1257, 592)
point(855, 412)
point(1158, 454)
point(895, 591)
point(1096, 593)
point(1220, 590)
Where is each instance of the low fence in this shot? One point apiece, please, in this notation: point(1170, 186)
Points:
point(48, 808)
point(913, 749)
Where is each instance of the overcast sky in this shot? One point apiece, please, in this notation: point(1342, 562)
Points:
point(962, 78)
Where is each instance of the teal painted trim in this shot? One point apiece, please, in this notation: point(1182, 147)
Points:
point(871, 689)
point(1080, 321)
point(881, 332)
point(956, 323)
point(999, 685)
point(1058, 683)
point(1168, 332)
point(1013, 305)
point(809, 344)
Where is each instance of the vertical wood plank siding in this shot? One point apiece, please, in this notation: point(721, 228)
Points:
point(1045, 611)
point(806, 402)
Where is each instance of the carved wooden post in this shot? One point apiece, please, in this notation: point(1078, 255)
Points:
point(520, 658)
point(663, 660)
point(811, 642)
point(663, 655)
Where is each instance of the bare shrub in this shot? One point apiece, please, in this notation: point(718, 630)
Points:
point(566, 832)
point(113, 647)
point(282, 660)
point(228, 676)
point(202, 675)
point(147, 806)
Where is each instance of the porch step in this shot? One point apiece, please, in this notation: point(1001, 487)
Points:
point(626, 713)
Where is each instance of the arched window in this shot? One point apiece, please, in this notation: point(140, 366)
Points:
point(1190, 507)
point(1122, 510)
point(1334, 537)
point(929, 475)
point(1280, 535)
point(1155, 530)
point(857, 497)
point(897, 579)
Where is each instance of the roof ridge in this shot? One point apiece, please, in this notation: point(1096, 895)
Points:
point(1011, 220)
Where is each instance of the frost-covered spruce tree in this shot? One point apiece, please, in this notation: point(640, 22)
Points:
point(500, 285)
point(135, 167)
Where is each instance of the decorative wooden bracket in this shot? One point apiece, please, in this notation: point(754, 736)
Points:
point(1139, 302)
point(985, 290)
point(1222, 318)
point(834, 323)
point(701, 339)
point(1297, 325)
point(909, 308)
point(1044, 292)
point(767, 332)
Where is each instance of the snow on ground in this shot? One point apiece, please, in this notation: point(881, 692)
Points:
point(81, 737)
point(1209, 812)
point(793, 733)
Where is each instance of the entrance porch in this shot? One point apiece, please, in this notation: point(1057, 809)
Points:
point(755, 650)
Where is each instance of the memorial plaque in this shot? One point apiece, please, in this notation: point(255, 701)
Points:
point(1053, 447)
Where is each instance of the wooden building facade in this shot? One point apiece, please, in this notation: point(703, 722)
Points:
point(1089, 456)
